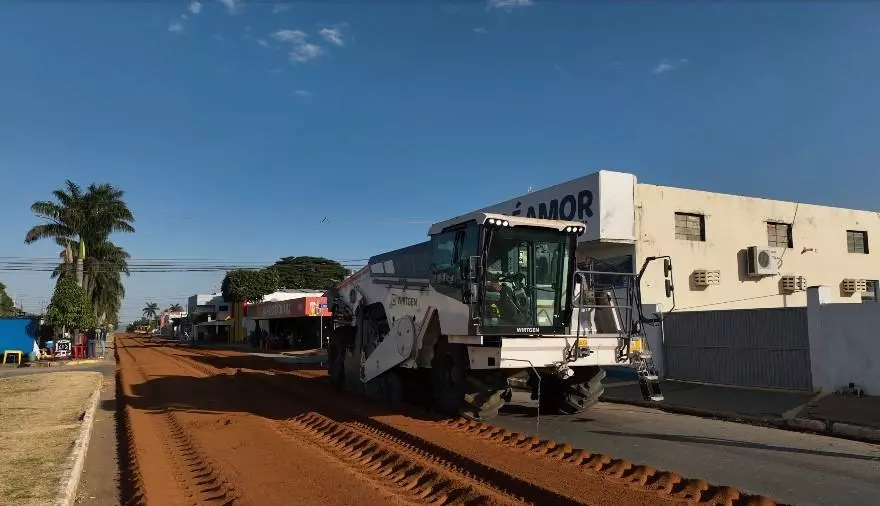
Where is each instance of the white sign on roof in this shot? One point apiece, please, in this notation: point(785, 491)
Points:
point(604, 201)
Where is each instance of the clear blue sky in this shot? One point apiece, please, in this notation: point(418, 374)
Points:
point(234, 132)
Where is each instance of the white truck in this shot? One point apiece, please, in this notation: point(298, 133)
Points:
point(489, 302)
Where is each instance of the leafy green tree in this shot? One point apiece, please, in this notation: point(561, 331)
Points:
point(306, 272)
point(7, 305)
point(248, 284)
point(140, 322)
point(70, 307)
point(102, 277)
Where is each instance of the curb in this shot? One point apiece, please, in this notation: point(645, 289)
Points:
point(834, 429)
point(67, 363)
point(70, 479)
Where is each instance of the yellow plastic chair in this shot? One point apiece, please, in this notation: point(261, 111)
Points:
point(15, 353)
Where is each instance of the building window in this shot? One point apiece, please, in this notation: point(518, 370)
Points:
point(856, 241)
point(224, 308)
point(779, 235)
point(690, 227)
point(872, 293)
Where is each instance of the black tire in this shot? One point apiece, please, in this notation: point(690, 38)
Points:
point(572, 396)
point(477, 395)
point(385, 388)
point(336, 350)
point(448, 370)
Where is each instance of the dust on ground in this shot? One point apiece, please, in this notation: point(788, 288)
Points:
point(39, 422)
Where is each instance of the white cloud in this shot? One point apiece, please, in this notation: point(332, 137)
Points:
point(280, 8)
point(508, 4)
point(303, 93)
point(300, 49)
point(195, 7)
point(304, 51)
point(231, 5)
point(332, 35)
point(175, 27)
point(263, 42)
point(184, 17)
point(666, 65)
point(480, 30)
point(290, 35)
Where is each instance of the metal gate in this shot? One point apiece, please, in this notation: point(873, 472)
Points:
point(745, 347)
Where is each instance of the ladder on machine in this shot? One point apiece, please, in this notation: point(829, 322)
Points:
point(649, 380)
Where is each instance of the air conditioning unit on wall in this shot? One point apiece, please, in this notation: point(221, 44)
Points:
point(855, 285)
point(791, 284)
point(762, 261)
point(707, 277)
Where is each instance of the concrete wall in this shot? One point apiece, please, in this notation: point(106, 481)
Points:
point(732, 224)
point(843, 342)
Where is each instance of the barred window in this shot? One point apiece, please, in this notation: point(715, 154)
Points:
point(779, 235)
point(857, 241)
point(690, 227)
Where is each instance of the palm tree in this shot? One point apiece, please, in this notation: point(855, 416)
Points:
point(151, 310)
point(175, 308)
point(66, 221)
point(82, 218)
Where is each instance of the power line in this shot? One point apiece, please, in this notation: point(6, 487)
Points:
point(167, 265)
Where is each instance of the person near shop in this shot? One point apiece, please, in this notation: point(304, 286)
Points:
point(102, 338)
point(89, 341)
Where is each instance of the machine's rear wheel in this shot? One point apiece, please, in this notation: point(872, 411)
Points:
point(385, 388)
point(448, 370)
point(477, 395)
point(573, 395)
point(336, 354)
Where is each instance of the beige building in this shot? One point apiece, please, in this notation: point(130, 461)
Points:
point(728, 251)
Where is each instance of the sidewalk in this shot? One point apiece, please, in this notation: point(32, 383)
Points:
point(852, 417)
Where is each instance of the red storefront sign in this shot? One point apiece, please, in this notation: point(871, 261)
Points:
point(293, 308)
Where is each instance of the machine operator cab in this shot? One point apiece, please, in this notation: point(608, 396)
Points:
point(513, 273)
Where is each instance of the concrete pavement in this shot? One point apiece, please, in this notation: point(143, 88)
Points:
point(790, 467)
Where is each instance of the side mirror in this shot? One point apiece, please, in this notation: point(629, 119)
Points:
point(669, 288)
point(667, 267)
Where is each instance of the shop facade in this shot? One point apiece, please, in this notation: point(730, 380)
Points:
point(302, 322)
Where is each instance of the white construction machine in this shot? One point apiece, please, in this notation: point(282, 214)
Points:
point(489, 302)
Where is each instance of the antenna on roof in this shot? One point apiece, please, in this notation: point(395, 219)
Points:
point(529, 190)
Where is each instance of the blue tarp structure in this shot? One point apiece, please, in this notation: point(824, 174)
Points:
point(18, 334)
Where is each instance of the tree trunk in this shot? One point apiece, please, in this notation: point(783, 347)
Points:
point(79, 272)
point(79, 262)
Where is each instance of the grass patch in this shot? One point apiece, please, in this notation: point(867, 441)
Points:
point(39, 421)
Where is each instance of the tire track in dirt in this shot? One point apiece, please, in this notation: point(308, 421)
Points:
point(239, 446)
point(418, 471)
point(380, 445)
point(198, 481)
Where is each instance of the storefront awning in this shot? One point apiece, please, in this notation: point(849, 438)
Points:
point(293, 308)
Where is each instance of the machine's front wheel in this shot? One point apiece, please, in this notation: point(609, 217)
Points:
point(571, 396)
point(477, 395)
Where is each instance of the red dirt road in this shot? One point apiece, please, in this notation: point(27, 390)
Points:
point(222, 427)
